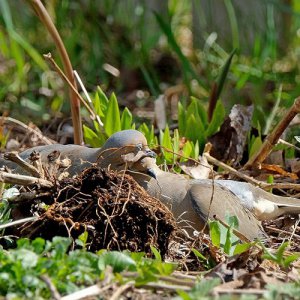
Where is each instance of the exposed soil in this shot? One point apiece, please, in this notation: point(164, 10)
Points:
point(114, 210)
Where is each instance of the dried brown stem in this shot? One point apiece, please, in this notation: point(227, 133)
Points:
point(273, 137)
point(14, 157)
point(261, 184)
point(23, 180)
point(9, 120)
point(43, 15)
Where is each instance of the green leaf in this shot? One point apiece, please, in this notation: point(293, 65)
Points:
point(228, 241)
point(199, 255)
point(196, 150)
point(112, 119)
point(119, 261)
point(38, 245)
point(98, 106)
point(280, 251)
point(28, 258)
point(198, 108)
point(176, 144)
point(60, 246)
point(156, 253)
point(166, 143)
point(181, 119)
point(255, 146)
point(82, 239)
point(126, 119)
point(215, 233)
point(240, 248)
point(203, 288)
point(187, 151)
point(92, 138)
point(195, 130)
point(224, 73)
point(217, 119)
point(291, 258)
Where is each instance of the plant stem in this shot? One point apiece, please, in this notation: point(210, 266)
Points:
point(273, 137)
point(43, 15)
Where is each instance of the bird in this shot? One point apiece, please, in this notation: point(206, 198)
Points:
point(191, 201)
point(194, 201)
point(124, 149)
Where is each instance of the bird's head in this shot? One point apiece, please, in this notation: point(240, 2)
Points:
point(127, 149)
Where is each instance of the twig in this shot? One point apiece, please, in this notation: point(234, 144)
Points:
point(18, 222)
point(185, 281)
point(23, 180)
point(283, 142)
point(249, 179)
point(90, 291)
point(220, 290)
point(116, 295)
point(176, 278)
point(283, 231)
point(163, 286)
point(54, 292)
point(44, 17)
point(27, 128)
point(274, 136)
point(14, 157)
point(222, 165)
point(294, 230)
point(28, 196)
point(235, 231)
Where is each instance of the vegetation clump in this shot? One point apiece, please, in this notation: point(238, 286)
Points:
point(115, 212)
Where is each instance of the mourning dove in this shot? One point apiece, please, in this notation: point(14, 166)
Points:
point(191, 201)
point(197, 200)
point(122, 150)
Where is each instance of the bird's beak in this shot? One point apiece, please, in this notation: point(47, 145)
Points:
point(149, 153)
point(151, 173)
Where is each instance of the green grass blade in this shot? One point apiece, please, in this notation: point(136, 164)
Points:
point(112, 120)
point(150, 82)
point(188, 69)
point(224, 73)
point(36, 57)
point(233, 24)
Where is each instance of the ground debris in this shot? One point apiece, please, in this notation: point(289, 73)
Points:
point(111, 207)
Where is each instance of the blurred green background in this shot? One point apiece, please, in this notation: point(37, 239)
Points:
point(141, 49)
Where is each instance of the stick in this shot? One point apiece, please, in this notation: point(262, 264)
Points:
point(23, 180)
point(28, 196)
point(273, 137)
point(10, 120)
point(249, 179)
point(14, 157)
point(45, 18)
point(18, 222)
point(90, 291)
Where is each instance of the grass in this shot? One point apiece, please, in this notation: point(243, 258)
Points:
point(125, 36)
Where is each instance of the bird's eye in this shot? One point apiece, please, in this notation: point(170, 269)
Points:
point(139, 146)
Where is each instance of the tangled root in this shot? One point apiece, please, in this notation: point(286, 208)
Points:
point(112, 208)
